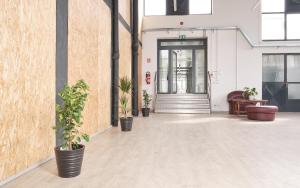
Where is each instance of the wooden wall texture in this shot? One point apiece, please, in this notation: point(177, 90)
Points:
point(89, 58)
point(27, 83)
point(27, 73)
point(125, 42)
point(124, 9)
point(141, 79)
point(125, 55)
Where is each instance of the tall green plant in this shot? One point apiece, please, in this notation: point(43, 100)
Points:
point(125, 86)
point(146, 98)
point(70, 114)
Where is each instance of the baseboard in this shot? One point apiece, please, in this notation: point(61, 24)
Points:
point(11, 178)
point(23, 172)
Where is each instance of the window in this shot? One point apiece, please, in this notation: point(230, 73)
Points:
point(293, 27)
point(279, 20)
point(177, 7)
point(155, 7)
point(200, 7)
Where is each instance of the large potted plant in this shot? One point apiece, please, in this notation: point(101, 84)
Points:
point(250, 93)
point(69, 155)
point(125, 86)
point(147, 99)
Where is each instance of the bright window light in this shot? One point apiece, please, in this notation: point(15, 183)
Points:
point(155, 7)
point(200, 6)
point(272, 5)
point(273, 26)
point(293, 27)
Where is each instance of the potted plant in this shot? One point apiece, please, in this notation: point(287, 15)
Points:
point(147, 99)
point(250, 93)
point(69, 155)
point(125, 86)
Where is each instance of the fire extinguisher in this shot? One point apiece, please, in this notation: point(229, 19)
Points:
point(148, 77)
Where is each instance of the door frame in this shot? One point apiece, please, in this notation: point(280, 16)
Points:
point(178, 47)
point(285, 82)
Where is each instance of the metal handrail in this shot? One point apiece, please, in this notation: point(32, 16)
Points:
point(209, 89)
point(155, 92)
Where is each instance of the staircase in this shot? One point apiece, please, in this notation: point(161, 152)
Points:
point(182, 103)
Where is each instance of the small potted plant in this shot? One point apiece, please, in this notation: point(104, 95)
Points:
point(147, 99)
point(125, 87)
point(250, 93)
point(69, 155)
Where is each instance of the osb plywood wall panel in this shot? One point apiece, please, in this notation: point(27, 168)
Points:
point(140, 77)
point(27, 83)
point(141, 15)
point(89, 58)
point(125, 53)
point(105, 66)
point(124, 9)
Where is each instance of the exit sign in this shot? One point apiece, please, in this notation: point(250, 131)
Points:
point(182, 37)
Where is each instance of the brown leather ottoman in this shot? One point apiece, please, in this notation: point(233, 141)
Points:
point(261, 113)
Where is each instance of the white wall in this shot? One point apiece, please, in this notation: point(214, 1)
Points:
point(225, 13)
point(233, 62)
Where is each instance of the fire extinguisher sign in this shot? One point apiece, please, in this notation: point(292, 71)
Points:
point(148, 77)
point(148, 60)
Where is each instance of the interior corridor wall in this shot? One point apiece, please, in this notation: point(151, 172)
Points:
point(234, 64)
point(27, 84)
point(223, 61)
point(232, 61)
point(89, 46)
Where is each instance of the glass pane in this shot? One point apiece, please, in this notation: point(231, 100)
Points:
point(163, 71)
point(200, 6)
point(200, 71)
point(174, 72)
point(273, 68)
point(272, 26)
point(293, 68)
point(184, 71)
point(155, 7)
point(272, 5)
point(294, 91)
point(182, 43)
point(293, 26)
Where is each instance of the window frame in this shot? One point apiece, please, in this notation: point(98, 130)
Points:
point(285, 13)
point(144, 10)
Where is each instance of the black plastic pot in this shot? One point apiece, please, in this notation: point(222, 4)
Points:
point(126, 123)
point(69, 162)
point(145, 112)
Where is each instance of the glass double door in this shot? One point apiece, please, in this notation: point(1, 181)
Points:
point(182, 71)
point(281, 81)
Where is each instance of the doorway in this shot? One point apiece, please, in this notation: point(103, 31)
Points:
point(182, 66)
point(281, 81)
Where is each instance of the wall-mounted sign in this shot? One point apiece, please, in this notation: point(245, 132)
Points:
point(182, 37)
point(148, 60)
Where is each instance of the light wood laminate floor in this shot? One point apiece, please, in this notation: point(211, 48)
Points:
point(186, 151)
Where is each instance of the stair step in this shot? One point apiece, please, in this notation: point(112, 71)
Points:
point(182, 106)
point(173, 96)
point(182, 101)
point(183, 111)
point(182, 94)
